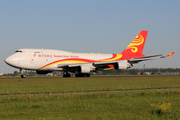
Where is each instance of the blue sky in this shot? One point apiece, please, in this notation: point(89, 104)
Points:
point(99, 26)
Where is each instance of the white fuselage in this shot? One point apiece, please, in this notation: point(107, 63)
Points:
point(48, 59)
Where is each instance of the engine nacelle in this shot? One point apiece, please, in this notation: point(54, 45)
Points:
point(43, 71)
point(84, 69)
point(122, 65)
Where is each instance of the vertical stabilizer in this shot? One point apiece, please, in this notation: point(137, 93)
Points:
point(137, 45)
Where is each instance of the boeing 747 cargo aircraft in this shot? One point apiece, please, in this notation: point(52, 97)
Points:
point(44, 61)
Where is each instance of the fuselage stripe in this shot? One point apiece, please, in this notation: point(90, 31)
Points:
point(81, 60)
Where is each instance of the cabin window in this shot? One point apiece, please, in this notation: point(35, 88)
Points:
point(36, 52)
point(19, 51)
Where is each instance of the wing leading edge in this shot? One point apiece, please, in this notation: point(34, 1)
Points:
point(136, 60)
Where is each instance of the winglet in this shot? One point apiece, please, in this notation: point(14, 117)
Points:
point(170, 54)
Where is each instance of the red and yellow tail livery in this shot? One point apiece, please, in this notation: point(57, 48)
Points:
point(137, 45)
point(135, 48)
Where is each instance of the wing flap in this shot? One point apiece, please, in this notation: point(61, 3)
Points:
point(104, 63)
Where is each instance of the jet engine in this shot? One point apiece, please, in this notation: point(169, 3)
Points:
point(84, 69)
point(122, 65)
point(42, 72)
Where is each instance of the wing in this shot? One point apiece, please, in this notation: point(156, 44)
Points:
point(120, 64)
point(136, 60)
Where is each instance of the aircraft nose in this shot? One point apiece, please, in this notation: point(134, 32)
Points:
point(12, 61)
point(8, 60)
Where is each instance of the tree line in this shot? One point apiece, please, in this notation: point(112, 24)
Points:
point(143, 71)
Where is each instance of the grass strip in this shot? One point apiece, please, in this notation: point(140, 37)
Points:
point(126, 105)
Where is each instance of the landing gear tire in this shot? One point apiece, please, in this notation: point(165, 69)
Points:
point(22, 73)
point(66, 75)
point(23, 76)
point(82, 75)
point(87, 75)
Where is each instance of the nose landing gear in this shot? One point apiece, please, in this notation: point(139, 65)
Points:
point(22, 73)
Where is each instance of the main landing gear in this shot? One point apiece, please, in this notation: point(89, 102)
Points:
point(82, 75)
point(66, 74)
point(22, 73)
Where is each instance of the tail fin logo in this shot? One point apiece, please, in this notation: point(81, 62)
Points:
point(138, 40)
point(137, 45)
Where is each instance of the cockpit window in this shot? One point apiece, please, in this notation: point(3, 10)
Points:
point(19, 51)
